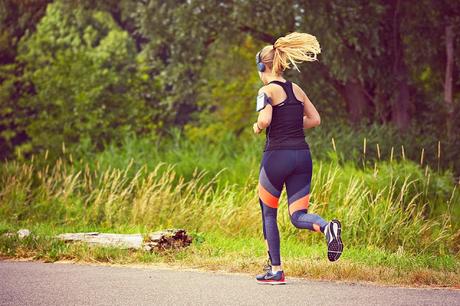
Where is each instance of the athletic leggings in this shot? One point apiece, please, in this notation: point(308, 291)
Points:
point(293, 168)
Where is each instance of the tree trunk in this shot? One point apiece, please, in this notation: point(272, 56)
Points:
point(400, 114)
point(448, 99)
point(356, 100)
point(352, 91)
point(401, 105)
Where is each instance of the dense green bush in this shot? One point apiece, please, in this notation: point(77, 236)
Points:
point(81, 74)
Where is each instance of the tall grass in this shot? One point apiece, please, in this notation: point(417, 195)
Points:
point(394, 205)
point(238, 157)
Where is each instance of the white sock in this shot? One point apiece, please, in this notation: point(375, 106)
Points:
point(326, 228)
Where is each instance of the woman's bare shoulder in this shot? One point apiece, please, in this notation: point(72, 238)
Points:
point(268, 89)
point(297, 87)
point(262, 89)
point(298, 91)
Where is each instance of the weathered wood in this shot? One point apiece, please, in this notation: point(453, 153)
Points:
point(124, 241)
point(21, 234)
point(167, 239)
point(157, 241)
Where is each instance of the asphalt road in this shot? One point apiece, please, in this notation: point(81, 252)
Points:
point(36, 283)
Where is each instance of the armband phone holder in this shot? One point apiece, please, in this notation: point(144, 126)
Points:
point(262, 101)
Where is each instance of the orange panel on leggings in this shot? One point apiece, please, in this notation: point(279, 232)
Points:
point(301, 203)
point(266, 197)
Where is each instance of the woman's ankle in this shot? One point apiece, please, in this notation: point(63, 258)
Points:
point(276, 268)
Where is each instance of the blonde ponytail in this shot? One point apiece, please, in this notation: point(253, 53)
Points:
point(292, 49)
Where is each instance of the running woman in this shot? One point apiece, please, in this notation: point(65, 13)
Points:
point(284, 112)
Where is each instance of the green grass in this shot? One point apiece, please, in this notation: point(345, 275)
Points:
point(396, 215)
point(213, 251)
point(392, 206)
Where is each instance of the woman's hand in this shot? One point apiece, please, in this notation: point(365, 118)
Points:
point(256, 129)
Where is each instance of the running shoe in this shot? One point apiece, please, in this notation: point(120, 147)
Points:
point(271, 278)
point(333, 233)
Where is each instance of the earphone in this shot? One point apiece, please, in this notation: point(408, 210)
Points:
point(260, 65)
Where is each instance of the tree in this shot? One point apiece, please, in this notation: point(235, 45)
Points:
point(82, 73)
point(16, 19)
point(345, 63)
point(226, 101)
point(179, 34)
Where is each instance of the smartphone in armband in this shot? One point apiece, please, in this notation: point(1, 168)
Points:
point(262, 101)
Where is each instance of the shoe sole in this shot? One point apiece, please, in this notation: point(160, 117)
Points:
point(335, 247)
point(271, 282)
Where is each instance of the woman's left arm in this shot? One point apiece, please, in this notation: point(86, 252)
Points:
point(265, 116)
point(311, 116)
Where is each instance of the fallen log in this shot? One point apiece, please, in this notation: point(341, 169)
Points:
point(157, 241)
point(167, 239)
point(125, 241)
point(21, 234)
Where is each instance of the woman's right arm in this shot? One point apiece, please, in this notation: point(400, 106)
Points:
point(265, 116)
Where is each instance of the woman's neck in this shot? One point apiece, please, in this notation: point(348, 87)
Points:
point(270, 78)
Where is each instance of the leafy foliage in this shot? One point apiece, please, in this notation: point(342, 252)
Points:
point(89, 72)
point(82, 75)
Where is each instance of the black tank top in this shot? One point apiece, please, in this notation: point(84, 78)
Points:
point(286, 128)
